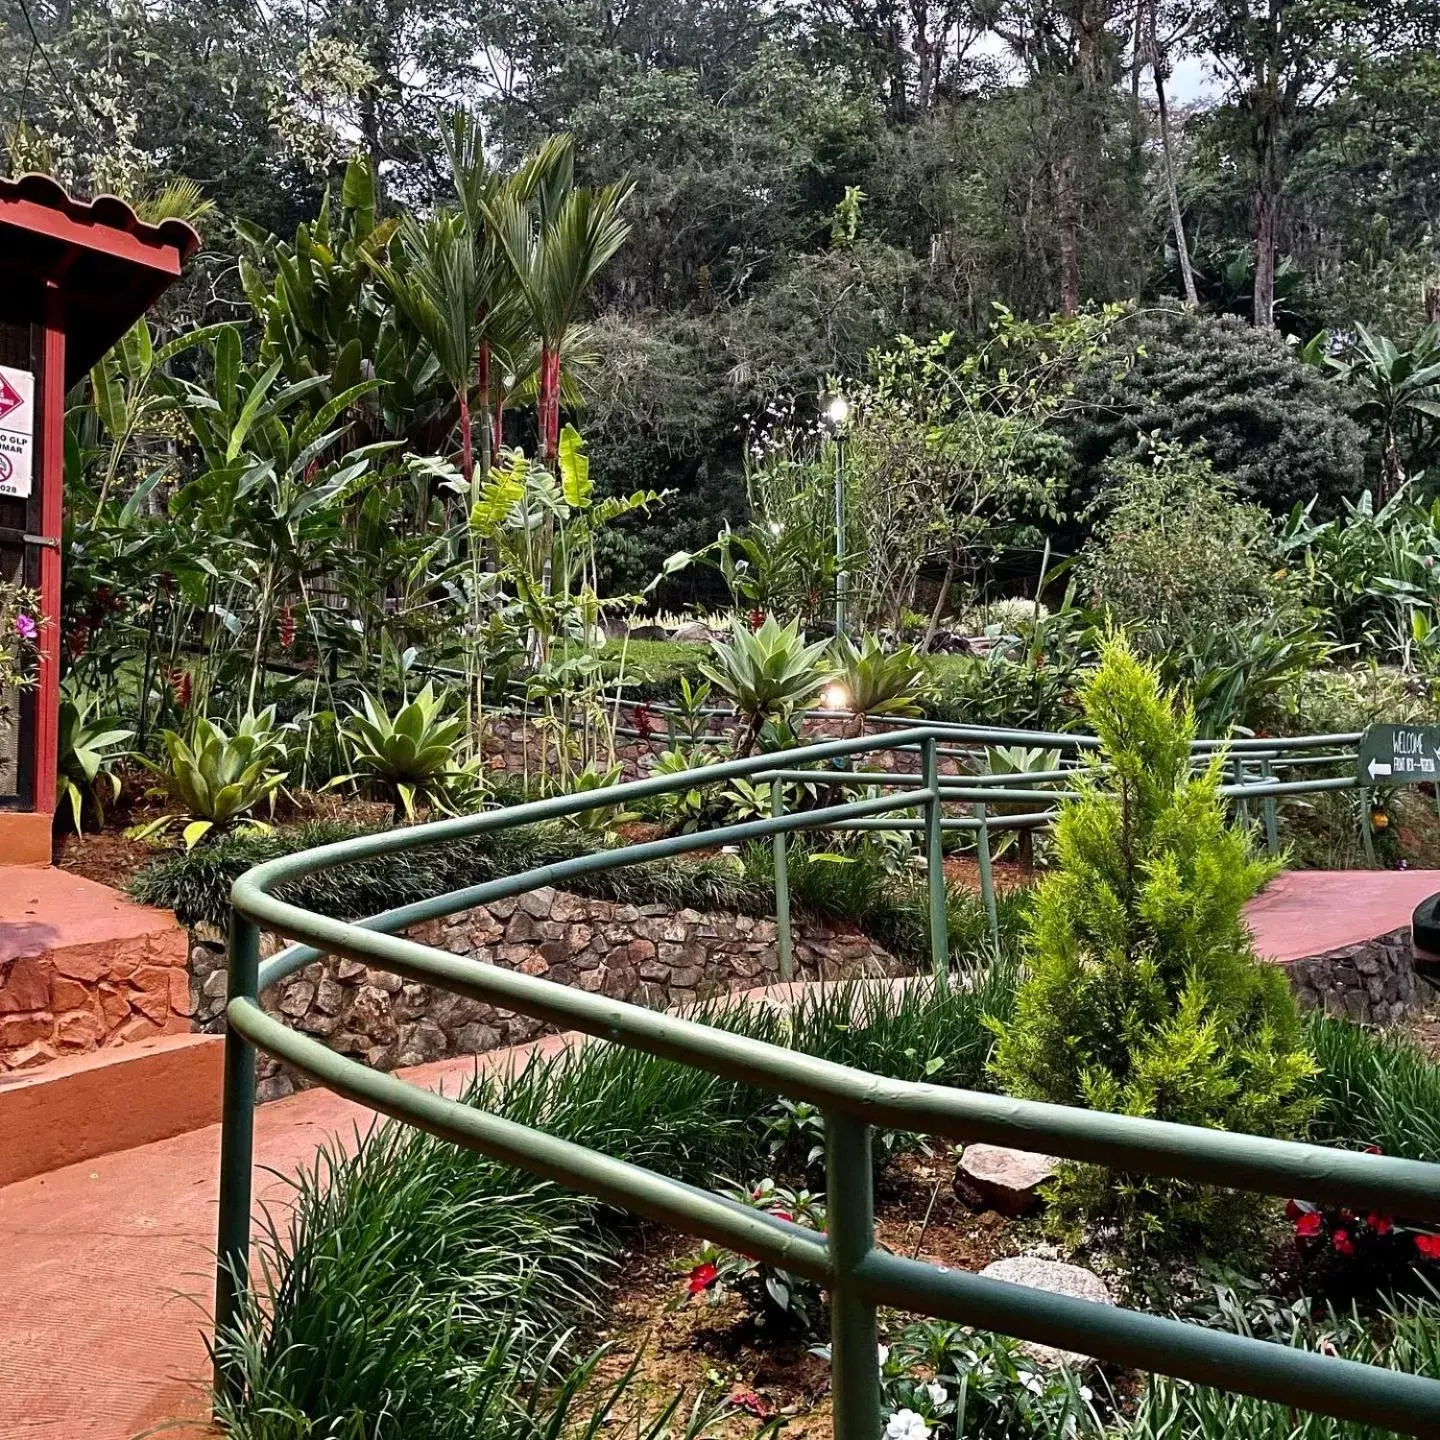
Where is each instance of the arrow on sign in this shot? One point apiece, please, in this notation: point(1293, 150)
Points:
point(1376, 768)
point(10, 398)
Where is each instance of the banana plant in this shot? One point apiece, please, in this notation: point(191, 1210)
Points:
point(216, 781)
point(89, 745)
point(414, 754)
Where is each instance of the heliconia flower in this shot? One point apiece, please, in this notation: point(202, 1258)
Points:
point(287, 627)
point(756, 619)
point(1428, 1246)
point(1308, 1226)
point(1342, 1243)
point(702, 1277)
point(1380, 1224)
point(180, 687)
point(25, 627)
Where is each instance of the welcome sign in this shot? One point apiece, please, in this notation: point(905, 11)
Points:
point(17, 430)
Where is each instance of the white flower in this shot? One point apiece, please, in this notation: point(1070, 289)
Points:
point(906, 1425)
point(883, 1352)
point(1086, 1393)
point(937, 1392)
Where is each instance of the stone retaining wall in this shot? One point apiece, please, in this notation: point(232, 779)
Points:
point(644, 953)
point(1372, 982)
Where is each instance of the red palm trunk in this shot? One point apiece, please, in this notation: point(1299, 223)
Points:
point(467, 449)
point(550, 401)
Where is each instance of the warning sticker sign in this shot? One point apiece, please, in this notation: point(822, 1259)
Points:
point(17, 430)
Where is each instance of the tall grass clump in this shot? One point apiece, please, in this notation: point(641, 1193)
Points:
point(414, 1285)
point(1374, 1089)
point(1406, 1338)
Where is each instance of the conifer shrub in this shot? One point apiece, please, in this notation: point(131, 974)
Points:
point(1144, 995)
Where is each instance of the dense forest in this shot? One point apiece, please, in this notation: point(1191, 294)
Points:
point(812, 178)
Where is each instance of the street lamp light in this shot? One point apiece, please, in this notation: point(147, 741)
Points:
point(837, 412)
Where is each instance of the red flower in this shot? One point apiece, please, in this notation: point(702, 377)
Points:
point(702, 1277)
point(1380, 1224)
point(1310, 1225)
point(1293, 1210)
point(180, 687)
point(287, 627)
point(782, 1215)
point(645, 721)
point(1342, 1243)
point(1373, 1150)
point(1428, 1246)
point(751, 1403)
point(756, 619)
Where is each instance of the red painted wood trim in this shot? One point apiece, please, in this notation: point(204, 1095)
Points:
point(106, 240)
point(52, 503)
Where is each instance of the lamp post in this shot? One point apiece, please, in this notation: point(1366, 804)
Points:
point(837, 411)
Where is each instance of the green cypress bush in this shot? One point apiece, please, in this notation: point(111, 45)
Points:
point(1144, 995)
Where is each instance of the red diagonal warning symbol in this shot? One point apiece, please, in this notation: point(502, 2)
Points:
point(10, 398)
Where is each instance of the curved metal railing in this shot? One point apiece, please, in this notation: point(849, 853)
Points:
point(858, 1275)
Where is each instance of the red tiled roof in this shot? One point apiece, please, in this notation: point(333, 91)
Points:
point(110, 266)
point(107, 212)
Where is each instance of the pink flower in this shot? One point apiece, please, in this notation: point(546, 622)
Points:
point(25, 627)
point(751, 1403)
point(702, 1277)
point(1310, 1226)
point(1428, 1246)
point(1342, 1243)
point(782, 1215)
point(1380, 1224)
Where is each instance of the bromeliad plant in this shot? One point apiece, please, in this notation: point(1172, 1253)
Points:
point(767, 674)
point(413, 754)
point(90, 744)
point(879, 681)
point(777, 1299)
point(216, 781)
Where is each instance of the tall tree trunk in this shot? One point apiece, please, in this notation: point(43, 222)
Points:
point(1067, 220)
point(482, 384)
point(1159, 68)
point(1266, 210)
point(550, 401)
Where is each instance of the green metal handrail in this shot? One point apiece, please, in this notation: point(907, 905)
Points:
point(858, 1275)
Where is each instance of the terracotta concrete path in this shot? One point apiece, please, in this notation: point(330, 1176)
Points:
point(105, 1267)
point(1307, 912)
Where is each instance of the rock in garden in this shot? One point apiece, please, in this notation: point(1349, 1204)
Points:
point(693, 633)
point(1059, 1279)
point(1005, 1180)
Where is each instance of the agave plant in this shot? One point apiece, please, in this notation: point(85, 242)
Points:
point(413, 753)
point(879, 681)
point(217, 781)
point(767, 674)
point(1017, 760)
point(89, 745)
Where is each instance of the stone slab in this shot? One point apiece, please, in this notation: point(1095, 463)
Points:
point(1058, 1279)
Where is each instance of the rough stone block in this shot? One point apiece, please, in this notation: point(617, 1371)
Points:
point(25, 984)
point(1057, 1279)
point(1005, 1180)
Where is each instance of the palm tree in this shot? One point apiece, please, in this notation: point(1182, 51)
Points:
point(556, 237)
point(503, 331)
point(431, 272)
point(1399, 389)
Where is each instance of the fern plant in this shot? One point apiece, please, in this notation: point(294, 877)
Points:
point(1145, 996)
point(216, 781)
point(413, 754)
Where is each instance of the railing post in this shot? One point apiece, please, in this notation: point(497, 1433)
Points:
point(935, 862)
point(1268, 809)
point(987, 877)
point(782, 885)
point(237, 1146)
point(854, 1341)
point(1237, 777)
